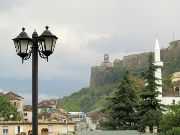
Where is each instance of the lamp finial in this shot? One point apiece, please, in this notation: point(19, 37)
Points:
point(23, 29)
point(47, 27)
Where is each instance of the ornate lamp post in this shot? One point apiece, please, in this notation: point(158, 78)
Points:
point(25, 46)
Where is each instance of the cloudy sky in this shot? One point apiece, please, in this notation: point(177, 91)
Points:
point(86, 30)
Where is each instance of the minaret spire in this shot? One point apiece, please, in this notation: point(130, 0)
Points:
point(157, 44)
point(159, 65)
point(157, 51)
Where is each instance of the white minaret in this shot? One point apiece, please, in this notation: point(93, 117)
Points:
point(159, 64)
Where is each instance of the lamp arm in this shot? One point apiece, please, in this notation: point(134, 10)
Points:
point(27, 57)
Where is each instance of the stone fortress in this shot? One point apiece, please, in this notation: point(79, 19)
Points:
point(100, 74)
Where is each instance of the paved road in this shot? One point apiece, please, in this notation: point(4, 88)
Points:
point(124, 132)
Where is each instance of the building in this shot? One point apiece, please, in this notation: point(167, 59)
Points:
point(176, 81)
point(167, 96)
point(17, 101)
point(94, 119)
point(27, 116)
point(106, 62)
point(77, 116)
point(46, 106)
point(27, 113)
point(170, 96)
point(175, 77)
point(57, 115)
point(100, 74)
point(44, 128)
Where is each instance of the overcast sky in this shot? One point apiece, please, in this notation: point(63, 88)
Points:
point(86, 30)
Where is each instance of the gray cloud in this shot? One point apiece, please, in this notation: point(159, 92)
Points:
point(5, 5)
point(86, 30)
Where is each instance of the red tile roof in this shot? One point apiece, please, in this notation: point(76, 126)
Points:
point(46, 104)
point(14, 96)
point(170, 92)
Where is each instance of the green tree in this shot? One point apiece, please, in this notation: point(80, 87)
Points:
point(7, 109)
point(149, 94)
point(148, 97)
point(121, 109)
point(170, 120)
point(150, 118)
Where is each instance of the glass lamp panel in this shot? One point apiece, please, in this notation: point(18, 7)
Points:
point(53, 45)
point(48, 44)
point(17, 47)
point(24, 46)
point(42, 45)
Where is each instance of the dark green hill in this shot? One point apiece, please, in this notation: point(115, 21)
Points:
point(87, 99)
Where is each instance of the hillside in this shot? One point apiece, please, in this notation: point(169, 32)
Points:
point(91, 98)
point(88, 99)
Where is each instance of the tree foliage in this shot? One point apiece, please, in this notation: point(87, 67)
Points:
point(122, 102)
point(170, 122)
point(148, 97)
point(149, 94)
point(150, 118)
point(7, 109)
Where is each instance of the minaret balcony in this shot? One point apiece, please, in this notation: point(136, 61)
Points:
point(158, 63)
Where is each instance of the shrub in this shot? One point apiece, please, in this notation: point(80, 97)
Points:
point(151, 118)
point(173, 131)
point(170, 120)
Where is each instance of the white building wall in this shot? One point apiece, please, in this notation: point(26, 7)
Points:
point(169, 100)
point(28, 117)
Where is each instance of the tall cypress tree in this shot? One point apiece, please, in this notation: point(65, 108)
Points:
point(149, 94)
point(149, 104)
point(122, 103)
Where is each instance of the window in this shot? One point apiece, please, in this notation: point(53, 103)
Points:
point(15, 103)
point(25, 114)
point(5, 130)
point(65, 121)
point(19, 129)
point(177, 89)
point(173, 102)
point(50, 128)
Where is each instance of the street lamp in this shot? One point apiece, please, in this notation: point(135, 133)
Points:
point(25, 46)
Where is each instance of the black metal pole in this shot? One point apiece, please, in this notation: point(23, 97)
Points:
point(35, 83)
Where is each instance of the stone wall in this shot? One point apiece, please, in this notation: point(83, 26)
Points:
point(100, 75)
point(135, 60)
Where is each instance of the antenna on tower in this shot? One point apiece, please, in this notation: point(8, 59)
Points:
point(173, 36)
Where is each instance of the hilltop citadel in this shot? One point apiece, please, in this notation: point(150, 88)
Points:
point(99, 74)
